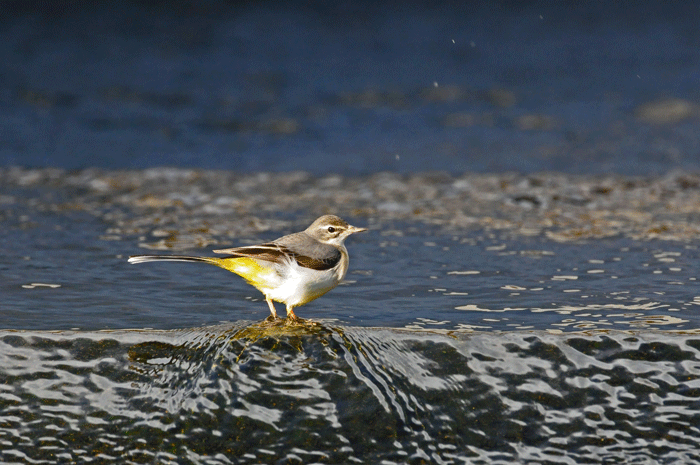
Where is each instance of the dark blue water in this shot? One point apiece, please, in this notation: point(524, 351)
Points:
point(354, 87)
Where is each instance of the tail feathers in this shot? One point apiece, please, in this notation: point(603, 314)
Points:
point(171, 258)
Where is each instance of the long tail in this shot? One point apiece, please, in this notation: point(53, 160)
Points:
point(173, 258)
point(250, 270)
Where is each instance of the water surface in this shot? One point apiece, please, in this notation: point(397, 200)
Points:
point(239, 394)
point(485, 319)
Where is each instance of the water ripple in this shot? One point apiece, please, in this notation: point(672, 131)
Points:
point(248, 393)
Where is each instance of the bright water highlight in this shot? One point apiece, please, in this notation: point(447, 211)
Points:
point(244, 393)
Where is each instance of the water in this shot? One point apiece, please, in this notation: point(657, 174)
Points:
point(352, 87)
point(485, 319)
point(488, 252)
point(241, 394)
point(536, 317)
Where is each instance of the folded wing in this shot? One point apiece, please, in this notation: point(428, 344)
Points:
point(306, 251)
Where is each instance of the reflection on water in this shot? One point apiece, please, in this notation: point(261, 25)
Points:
point(250, 394)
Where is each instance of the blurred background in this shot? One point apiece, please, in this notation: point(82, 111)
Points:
point(351, 87)
point(529, 172)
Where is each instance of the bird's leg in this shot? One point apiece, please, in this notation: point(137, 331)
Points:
point(291, 316)
point(272, 307)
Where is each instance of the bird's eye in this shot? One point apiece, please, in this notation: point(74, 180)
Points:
point(331, 229)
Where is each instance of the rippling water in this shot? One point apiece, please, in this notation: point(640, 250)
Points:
point(248, 394)
point(486, 319)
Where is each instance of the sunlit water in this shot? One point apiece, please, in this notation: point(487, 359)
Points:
point(485, 319)
point(239, 394)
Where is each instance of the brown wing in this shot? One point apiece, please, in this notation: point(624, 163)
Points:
point(269, 252)
point(277, 253)
point(318, 263)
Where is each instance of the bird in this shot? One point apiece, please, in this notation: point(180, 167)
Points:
point(293, 269)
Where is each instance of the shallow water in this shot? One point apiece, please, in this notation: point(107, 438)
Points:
point(483, 252)
point(338, 394)
point(485, 319)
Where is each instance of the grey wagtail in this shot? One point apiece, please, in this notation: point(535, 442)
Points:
point(293, 269)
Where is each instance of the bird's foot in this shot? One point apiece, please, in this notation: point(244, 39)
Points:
point(292, 319)
point(273, 321)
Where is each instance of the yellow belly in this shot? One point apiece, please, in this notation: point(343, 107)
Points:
point(260, 277)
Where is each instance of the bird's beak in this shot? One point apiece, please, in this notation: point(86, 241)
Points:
point(355, 229)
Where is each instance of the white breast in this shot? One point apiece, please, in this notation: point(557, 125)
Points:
point(298, 285)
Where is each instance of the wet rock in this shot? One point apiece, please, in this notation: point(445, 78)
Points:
point(560, 206)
